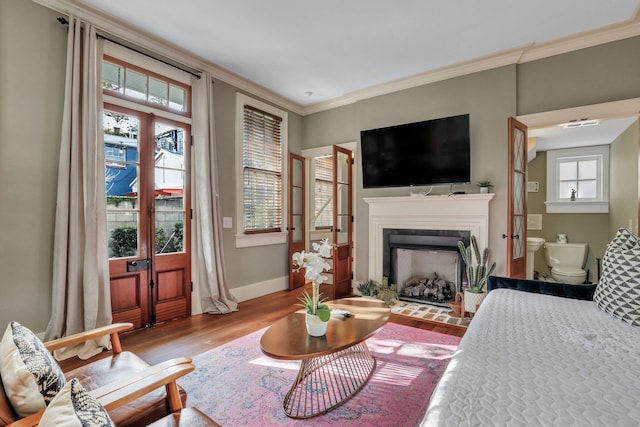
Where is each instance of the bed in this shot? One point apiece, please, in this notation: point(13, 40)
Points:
point(541, 354)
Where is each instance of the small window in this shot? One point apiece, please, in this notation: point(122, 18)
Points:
point(262, 134)
point(128, 81)
point(578, 180)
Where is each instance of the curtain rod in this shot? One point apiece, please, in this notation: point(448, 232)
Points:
point(64, 21)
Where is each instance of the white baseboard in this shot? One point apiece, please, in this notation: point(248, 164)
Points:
point(254, 290)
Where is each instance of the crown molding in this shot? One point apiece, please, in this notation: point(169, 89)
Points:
point(518, 55)
point(507, 57)
point(120, 30)
point(583, 40)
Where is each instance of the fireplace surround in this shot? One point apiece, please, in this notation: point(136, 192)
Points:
point(457, 213)
point(426, 265)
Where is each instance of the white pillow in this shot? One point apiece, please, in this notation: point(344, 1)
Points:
point(30, 375)
point(74, 407)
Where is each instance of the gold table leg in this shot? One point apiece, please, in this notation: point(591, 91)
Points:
point(324, 382)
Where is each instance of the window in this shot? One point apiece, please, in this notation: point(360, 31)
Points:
point(262, 135)
point(578, 180)
point(323, 191)
point(128, 81)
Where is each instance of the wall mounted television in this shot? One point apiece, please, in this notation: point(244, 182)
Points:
point(425, 153)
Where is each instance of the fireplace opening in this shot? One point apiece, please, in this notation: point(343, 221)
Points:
point(425, 265)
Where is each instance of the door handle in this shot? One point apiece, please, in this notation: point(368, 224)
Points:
point(138, 265)
point(515, 236)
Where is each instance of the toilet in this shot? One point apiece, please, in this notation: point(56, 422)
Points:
point(566, 261)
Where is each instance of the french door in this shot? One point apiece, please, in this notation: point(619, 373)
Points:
point(148, 216)
point(517, 201)
point(342, 222)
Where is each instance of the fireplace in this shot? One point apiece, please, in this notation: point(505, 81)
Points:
point(417, 228)
point(426, 265)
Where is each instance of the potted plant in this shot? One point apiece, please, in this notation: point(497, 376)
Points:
point(368, 288)
point(387, 293)
point(477, 273)
point(318, 313)
point(485, 186)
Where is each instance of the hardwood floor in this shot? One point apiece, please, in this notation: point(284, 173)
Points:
point(197, 334)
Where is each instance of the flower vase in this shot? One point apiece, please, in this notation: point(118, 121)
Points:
point(472, 300)
point(315, 326)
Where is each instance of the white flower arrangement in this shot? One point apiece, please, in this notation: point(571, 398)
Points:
point(314, 264)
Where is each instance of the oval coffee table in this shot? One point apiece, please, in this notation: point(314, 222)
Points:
point(335, 366)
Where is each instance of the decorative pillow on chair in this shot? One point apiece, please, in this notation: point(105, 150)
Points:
point(618, 291)
point(30, 375)
point(75, 407)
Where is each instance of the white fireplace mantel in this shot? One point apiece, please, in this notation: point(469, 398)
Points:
point(467, 212)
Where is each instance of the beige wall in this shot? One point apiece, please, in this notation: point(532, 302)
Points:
point(32, 58)
point(489, 98)
point(623, 177)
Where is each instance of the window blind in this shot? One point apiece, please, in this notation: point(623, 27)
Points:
point(262, 171)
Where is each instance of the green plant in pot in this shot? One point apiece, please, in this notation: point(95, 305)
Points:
point(477, 272)
point(386, 292)
point(318, 313)
point(485, 186)
point(368, 288)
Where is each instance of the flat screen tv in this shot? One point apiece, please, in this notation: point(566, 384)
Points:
point(431, 152)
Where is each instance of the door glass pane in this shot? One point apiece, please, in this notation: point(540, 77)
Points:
point(121, 183)
point(169, 186)
point(113, 77)
point(343, 167)
point(297, 228)
point(158, 91)
point(297, 201)
point(343, 229)
point(519, 151)
point(135, 85)
point(177, 98)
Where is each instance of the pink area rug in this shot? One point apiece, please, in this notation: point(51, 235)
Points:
point(236, 385)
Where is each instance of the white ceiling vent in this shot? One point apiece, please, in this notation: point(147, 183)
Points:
point(579, 124)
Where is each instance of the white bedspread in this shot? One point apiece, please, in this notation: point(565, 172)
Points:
point(530, 359)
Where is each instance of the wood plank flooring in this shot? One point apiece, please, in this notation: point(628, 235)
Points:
point(197, 334)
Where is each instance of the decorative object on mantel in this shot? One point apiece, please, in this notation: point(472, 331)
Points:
point(476, 274)
point(386, 292)
point(318, 314)
point(485, 186)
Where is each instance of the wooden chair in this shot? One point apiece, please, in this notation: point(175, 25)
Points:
point(134, 393)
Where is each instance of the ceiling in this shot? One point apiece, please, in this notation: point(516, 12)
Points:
point(560, 137)
point(312, 52)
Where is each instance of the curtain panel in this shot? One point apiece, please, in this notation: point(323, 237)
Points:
point(210, 273)
point(80, 285)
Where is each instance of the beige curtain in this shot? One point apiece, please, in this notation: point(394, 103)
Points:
point(210, 274)
point(80, 297)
